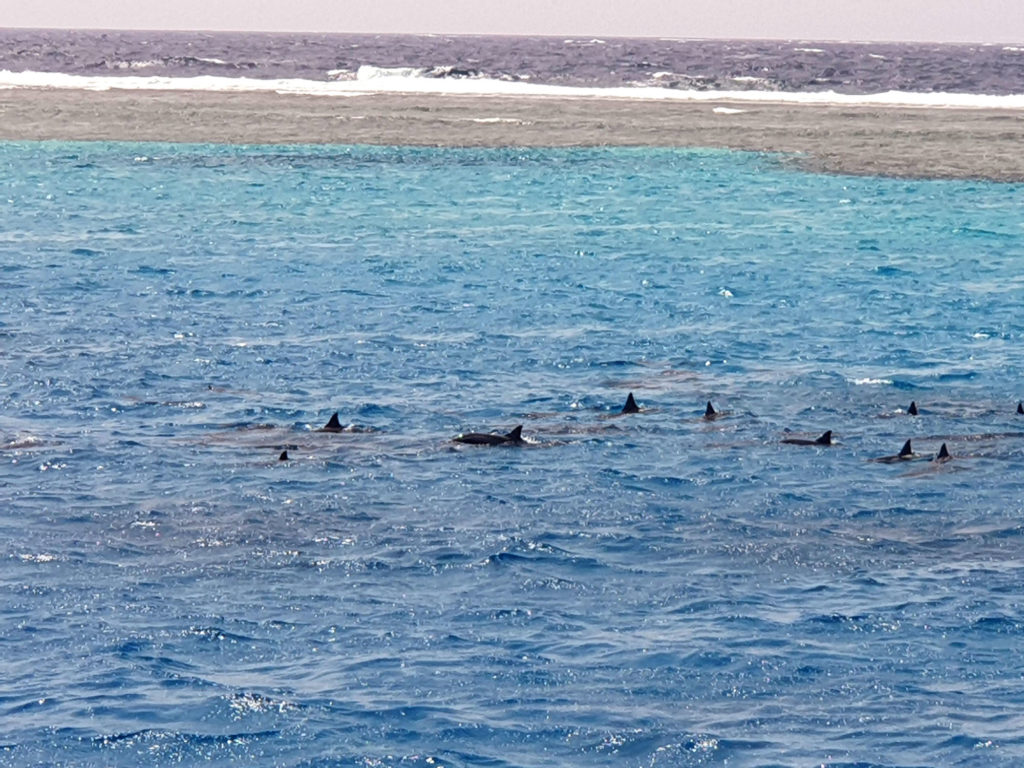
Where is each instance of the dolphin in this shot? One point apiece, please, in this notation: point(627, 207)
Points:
point(284, 456)
point(1020, 408)
point(825, 439)
point(942, 455)
point(332, 425)
point(912, 410)
point(630, 406)
point(906, 454)
point(515, 437)
point(710, 414)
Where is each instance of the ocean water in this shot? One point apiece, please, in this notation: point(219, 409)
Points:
point(922, 73)
point(644, 590)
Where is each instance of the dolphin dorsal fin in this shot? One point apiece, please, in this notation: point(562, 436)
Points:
point(912, 410)
point(825, 439)
point(943, 453)
point(283, 456)
point(709, 411)
point(1020, 408)
point(516, 435)
point(333, 422)
point(630, 406)
point(906, 450)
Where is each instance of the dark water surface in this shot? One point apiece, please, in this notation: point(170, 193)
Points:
point(792, 66)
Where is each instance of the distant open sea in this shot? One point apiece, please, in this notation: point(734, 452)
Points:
point(649, 589)
point(648, 67)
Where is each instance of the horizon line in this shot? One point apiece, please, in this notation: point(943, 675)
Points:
point(558, 35)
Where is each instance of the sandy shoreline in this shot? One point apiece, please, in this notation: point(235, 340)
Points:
point(901, 142)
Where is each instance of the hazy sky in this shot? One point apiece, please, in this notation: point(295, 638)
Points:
point(925, 20)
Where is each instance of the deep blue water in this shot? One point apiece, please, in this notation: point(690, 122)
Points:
point(645, 590)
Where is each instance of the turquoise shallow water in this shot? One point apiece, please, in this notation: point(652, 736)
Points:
point(640, 590)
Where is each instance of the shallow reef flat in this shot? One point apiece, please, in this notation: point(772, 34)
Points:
point(862, 140)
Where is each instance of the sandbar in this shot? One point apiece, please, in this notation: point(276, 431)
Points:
point(938, 143)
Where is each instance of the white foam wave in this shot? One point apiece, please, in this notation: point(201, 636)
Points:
point(368, 72)
point(407, 80)
point(147, 64)
point(44, 557)
point(150, 63)
point(499, 120)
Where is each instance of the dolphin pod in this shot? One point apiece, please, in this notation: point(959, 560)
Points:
point(515, 436)
point(907, 454)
